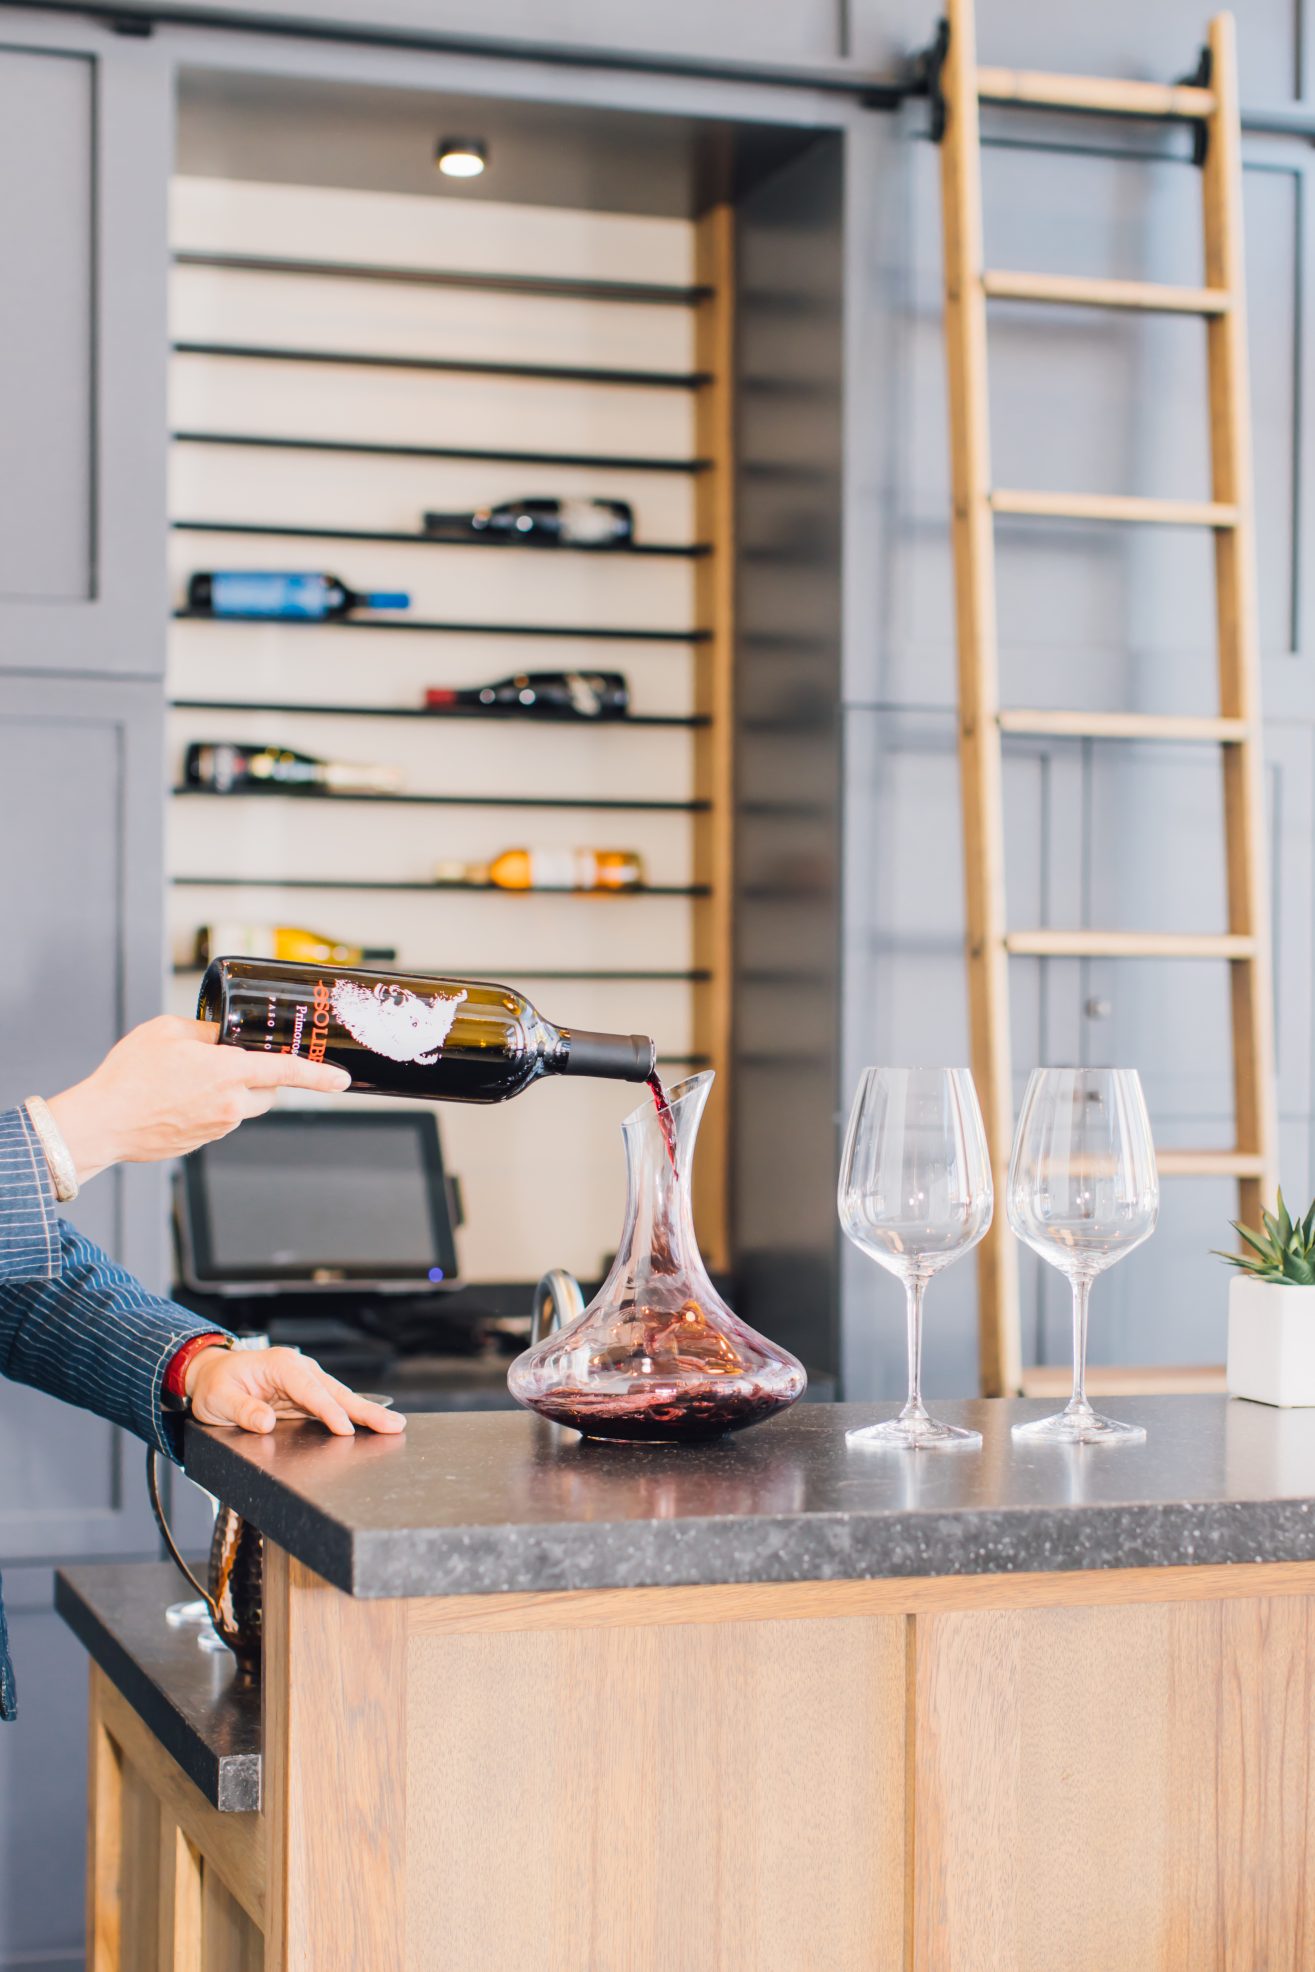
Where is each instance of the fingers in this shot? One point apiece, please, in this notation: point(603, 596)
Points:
point(253, 1414)
point(372, 1416)
point(285, 1071)
point(308, 1386)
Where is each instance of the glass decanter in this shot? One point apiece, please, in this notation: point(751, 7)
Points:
point(657, 1356)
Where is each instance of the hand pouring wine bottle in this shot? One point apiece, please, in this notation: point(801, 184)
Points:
point(404, 1034)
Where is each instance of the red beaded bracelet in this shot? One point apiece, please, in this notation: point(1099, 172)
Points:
point(175, 1377)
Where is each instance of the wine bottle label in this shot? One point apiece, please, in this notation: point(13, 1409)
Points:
point(563, 869)
point(588, 522)
point(254, 593)
point(220, 766)
point(585, 696)
point(388, 1019)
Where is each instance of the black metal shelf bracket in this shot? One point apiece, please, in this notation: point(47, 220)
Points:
point(586, 633)
point(435, 716)
point(927, 70)
point(426, 884)
point(690, 551)
point(593, 803)
point(481, 455)
point(1199, 78)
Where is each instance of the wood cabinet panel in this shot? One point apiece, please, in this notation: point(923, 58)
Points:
point(1119, 1786)
point(724, 1797)
point(230, 1942)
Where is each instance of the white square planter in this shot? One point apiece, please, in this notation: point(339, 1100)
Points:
point(1271, 1342)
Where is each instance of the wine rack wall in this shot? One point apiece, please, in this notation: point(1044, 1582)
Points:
point(342, 362)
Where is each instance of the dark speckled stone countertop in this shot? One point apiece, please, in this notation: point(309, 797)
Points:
point(486, 1503)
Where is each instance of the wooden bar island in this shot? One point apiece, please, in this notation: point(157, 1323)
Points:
point(768, 1705)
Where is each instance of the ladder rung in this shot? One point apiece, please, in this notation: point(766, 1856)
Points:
point(1125, 725)
point(1093, 92)
point(1115, 506)
point(1129, 945)
point(1127, 1380)
point(1080, 291)
point(1210, 1163)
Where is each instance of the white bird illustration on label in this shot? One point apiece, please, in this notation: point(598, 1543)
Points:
point(392, 1021)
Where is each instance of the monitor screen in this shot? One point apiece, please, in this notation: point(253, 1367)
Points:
point(319, 1198)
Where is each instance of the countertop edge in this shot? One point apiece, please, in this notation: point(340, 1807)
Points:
point(826, 1548)
point(230, 1782)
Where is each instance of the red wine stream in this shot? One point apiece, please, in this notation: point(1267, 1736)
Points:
point(665, 1118)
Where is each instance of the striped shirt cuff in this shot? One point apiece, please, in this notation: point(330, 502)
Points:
point(29, 1216)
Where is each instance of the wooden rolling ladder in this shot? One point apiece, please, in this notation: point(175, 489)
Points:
point(1209, 102)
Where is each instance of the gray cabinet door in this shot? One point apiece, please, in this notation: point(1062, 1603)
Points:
point(81, 886)
point(80, 807)
point(84, 163)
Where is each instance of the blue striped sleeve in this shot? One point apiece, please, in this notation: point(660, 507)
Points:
point(96, 1337)
point(29, 1220)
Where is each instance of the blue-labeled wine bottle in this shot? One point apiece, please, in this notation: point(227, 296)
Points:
point(268, 596)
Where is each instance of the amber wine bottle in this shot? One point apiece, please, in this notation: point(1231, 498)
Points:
point(407, 1034)
point(550, 869)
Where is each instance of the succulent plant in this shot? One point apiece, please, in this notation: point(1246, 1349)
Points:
point(1283, 1254)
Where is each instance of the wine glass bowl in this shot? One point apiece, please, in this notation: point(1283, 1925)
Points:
point(1083, 1192)
point(915, 1195)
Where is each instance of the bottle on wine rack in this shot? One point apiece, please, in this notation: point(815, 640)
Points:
point(289, 598)
point(551, 869)
point(283, 941)
point(230, 766)
point(549, 694)
point(402, 1034)
point(570, 523)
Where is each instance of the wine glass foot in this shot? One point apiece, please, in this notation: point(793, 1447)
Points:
point(915, 1434)
point(179, 1614)
point(1082, 1426)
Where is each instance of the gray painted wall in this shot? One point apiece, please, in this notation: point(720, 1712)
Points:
point(1097, 617)
point(1098, 834)
point(84, 156)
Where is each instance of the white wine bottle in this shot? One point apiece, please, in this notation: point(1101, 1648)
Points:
point(283, 941)
point(233, 766)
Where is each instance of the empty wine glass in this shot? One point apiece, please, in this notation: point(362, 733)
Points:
point(915, 1193)
point(1083, 1191)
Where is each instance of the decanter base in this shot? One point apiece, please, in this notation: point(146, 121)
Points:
point(660, 1417)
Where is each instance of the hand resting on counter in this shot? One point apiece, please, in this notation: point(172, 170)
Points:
point(250, 1389)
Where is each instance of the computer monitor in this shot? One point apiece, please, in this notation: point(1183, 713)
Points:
point(304, 1200)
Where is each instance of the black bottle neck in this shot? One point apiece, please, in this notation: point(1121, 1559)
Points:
point(616, 1057)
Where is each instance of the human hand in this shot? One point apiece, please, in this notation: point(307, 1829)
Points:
point(250, 1389)
point(166, 1087)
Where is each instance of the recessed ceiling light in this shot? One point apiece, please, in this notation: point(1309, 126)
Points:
point(461, 157)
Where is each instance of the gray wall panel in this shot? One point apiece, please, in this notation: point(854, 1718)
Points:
point(43, 1758)
point(47, 248)
point(85, 142)
point(86, 759)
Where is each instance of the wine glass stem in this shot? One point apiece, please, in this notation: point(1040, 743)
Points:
point(913, 1289)
point(1081, 1295)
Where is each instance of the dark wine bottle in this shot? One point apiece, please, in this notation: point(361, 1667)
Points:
point(571, 523)
point(548, 694)
point(291, 598)
point(405, 1034)
point(229, 766)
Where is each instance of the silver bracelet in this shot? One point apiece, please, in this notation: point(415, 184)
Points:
point(63, 1171)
